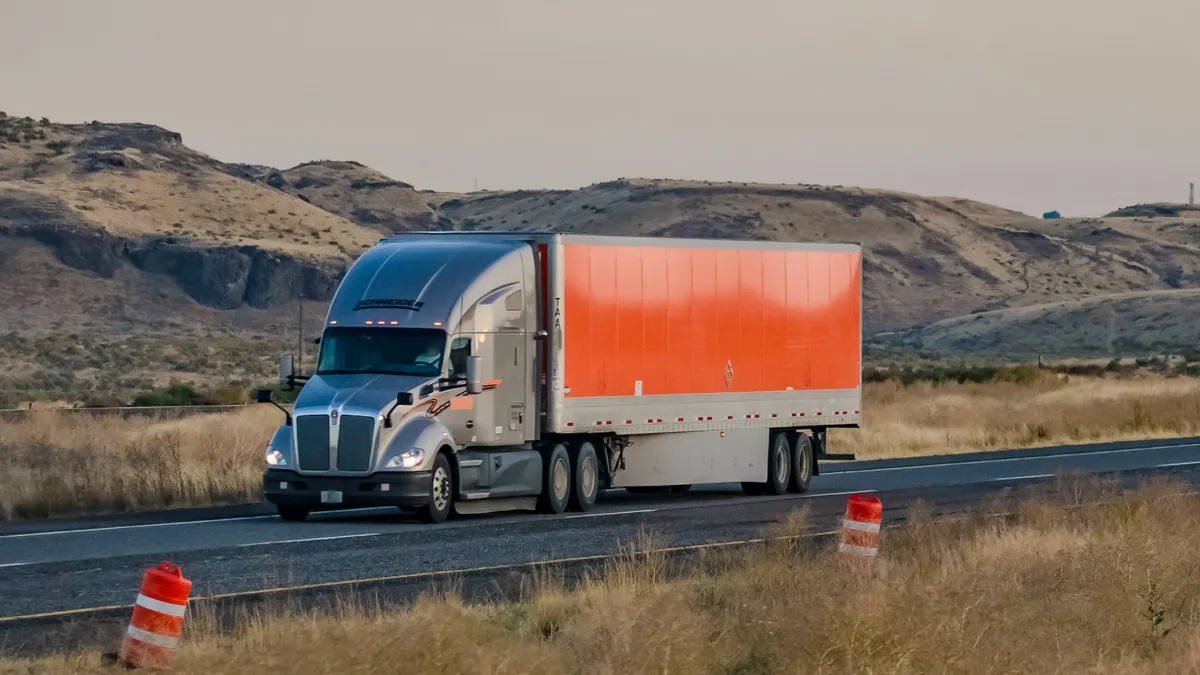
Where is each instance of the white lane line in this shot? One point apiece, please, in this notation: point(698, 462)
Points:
point(14, 564)
point(815, 495)
point(609, 513)
point(297, 541)
point(1001, 460)
point(48, 533)
point(1029, 477)
point(79, 530)
point(1174, 464)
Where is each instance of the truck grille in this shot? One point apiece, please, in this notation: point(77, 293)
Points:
point(356, 440)
point(312, 442)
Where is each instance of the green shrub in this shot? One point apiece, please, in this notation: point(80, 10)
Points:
point(230, 396)
point(175, 394)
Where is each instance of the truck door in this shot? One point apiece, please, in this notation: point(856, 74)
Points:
point(508, 359)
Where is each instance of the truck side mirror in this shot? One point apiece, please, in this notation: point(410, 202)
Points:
point(287, 369)
point(264, 396)
point(474, 377)
point(402, 398)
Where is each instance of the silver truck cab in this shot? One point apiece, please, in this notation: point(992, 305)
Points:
point(424, 385)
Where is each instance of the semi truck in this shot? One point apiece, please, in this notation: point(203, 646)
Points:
point(468, 372)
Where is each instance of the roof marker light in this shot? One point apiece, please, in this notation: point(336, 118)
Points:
point(370, 322)
point(333, 323)
point(395, 323)
point(437, 323)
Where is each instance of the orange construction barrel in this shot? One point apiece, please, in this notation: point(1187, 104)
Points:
point(157, 620)
point(860, 527)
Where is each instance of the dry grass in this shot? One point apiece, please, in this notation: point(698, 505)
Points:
point(54, 465)
point(1112, 588)
point(924, 419)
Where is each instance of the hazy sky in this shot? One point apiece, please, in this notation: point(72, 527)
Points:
point(1076, 105)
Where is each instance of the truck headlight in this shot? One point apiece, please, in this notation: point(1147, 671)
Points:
point(406, 460)
point(275, 458)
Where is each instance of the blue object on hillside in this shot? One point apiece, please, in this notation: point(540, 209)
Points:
point(1051, 215)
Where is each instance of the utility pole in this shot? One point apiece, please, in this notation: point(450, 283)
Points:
point(1191, 194)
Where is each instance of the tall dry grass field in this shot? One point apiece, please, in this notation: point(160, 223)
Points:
point(1113, 588)
point(53, 465)
point(925, 419)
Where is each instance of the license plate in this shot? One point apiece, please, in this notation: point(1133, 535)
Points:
point(331, 496)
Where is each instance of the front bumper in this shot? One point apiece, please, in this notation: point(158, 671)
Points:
point(406, 490)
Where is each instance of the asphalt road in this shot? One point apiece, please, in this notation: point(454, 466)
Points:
point(73, 568)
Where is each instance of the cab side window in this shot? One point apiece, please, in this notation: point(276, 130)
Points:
point(460, 349)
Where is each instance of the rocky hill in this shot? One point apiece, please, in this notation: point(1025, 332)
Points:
point(119, 240)
point(1153, 322)
point(107, 196)
point(357, 193)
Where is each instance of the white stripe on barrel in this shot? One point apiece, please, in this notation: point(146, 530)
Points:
point(161, 607)
point(164, 641)
point(858, 550)
point(861, 527)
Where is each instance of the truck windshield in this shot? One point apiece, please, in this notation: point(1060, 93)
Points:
point(389, 351)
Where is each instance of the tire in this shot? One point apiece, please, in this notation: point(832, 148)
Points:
point(802, 464)
point(585, 472)
point(779, 465)
point(556, 480)
point(441, 492)
point(292, 512)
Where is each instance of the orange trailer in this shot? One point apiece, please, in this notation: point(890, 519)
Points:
point(654, 338)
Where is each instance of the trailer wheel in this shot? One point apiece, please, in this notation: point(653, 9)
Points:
point(441, 492)
point(802, 464)
point(556, 480)
point(779, 465)
point(586, 471)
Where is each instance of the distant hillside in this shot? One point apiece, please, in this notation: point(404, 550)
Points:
point(1131, 323)
point(108, 196)
point(1157, 211)
point(357, 193)
point(118, 242)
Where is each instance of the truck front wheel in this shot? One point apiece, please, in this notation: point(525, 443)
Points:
point(441, 492)
point(556, 480)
